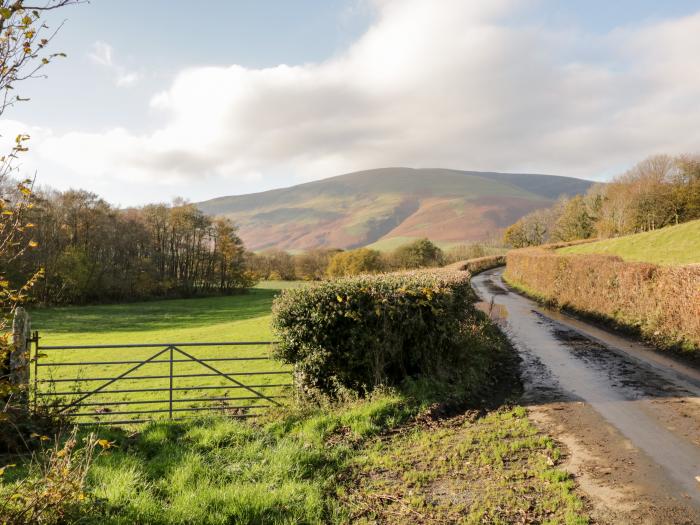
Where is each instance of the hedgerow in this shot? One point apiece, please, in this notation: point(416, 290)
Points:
point(660, 302)
point(356, 333)
point(478, 264)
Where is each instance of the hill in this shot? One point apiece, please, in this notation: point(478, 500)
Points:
point(361, 208)
point(671, 245)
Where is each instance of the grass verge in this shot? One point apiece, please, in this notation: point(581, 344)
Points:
point(678, 244)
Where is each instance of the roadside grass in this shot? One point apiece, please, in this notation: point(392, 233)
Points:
point(384, 459)
point(671, 245)
point(469, 469)
point(244, 317)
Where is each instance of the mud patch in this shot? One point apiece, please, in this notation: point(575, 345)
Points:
point(624, 485)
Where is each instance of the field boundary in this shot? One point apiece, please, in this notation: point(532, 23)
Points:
point(77, 397)
point(661, 303)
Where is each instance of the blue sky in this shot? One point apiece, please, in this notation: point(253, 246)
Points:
point(195, 101)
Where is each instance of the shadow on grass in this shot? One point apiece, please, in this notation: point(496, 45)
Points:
point(155, 315)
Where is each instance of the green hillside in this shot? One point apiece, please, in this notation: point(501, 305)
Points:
point(672, 245)
point(366, 207)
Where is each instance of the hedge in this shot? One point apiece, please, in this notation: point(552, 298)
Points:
point(479, 264)
point(662, 303)
point(360, 332)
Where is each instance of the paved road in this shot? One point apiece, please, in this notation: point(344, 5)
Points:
point(648, 404)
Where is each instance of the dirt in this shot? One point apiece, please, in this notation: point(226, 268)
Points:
point(628, 418)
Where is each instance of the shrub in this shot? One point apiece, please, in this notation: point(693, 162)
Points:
point(662, 303)
point(54, 489)
point(357, 333)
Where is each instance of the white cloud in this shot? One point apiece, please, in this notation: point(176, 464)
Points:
point(451, 86)
point(103, 55)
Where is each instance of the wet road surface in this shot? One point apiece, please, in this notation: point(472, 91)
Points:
point(598, 379)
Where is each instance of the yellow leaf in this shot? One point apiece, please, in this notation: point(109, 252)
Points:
point(105, 444)
point(2, 469)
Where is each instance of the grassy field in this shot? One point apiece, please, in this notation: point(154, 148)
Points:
point(387, 458)
point(244, 317)
point(671, 245)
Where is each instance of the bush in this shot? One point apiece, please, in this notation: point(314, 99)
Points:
point(659, 302)
point(357, 333)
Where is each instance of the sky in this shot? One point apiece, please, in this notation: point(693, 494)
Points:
point(165, 98)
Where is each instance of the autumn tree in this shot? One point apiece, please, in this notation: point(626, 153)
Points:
point(420, 253)
point(356, 262)
point(24, 40)
point(313, 264)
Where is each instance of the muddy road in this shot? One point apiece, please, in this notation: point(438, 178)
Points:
point(628, 417)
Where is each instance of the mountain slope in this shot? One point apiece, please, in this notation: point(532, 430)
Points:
point(361, 208)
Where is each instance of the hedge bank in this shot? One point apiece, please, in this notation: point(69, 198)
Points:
point(360, 332)
point(662, 303)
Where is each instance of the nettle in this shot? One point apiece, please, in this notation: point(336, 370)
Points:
point(361, 332)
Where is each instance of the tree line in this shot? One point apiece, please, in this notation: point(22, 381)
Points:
point(91, 251)
point(318, 264)
point(659, 191)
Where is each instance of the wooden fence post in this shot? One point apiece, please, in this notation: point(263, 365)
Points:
point(19, 356)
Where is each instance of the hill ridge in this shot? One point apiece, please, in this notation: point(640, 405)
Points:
point(362, 207)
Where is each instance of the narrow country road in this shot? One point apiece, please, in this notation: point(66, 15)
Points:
point(628, 416)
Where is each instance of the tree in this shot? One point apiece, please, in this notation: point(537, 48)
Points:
point(575, 221)
point(23, 43)
point(313, 264)
point(418, 254)
point(356, 262)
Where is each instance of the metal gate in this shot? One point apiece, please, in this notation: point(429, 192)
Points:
point(135, 383)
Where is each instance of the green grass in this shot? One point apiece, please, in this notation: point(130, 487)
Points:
point(333, 464)
point(298, 463)
point(671, 245)
point(244, 317)
point(282, 285)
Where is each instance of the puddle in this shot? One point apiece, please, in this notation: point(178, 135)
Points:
point(560, 364)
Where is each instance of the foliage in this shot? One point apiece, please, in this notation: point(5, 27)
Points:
point(660, 302)
point(464, 252)
point(658, 192)
point(53, 491)
point(356, 262)
point(273, 265)
point(23, 54)
point(357, 333)
point(93, 252)
point(418, 254)
point(312, 265)
point(478, 265)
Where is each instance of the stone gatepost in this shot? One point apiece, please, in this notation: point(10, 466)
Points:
point(19, 359)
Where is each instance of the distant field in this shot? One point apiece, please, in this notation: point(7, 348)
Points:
point(244, 317)
point(672, 245)
point(281, 285)
point(387, 245)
